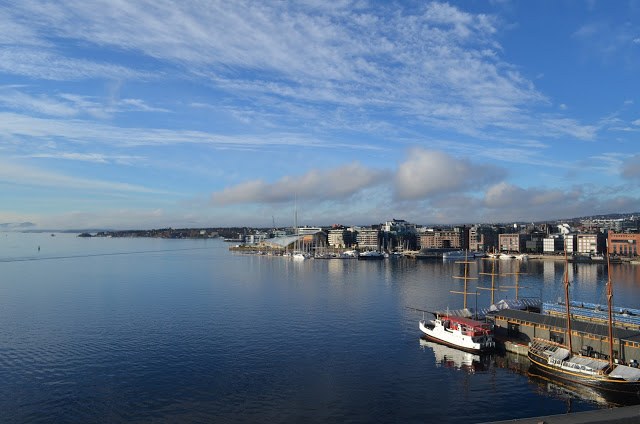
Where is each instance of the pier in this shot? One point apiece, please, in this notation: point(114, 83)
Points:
point(625, 415)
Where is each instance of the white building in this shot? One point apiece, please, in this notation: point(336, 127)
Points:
point(368, 239)
point(553, 244)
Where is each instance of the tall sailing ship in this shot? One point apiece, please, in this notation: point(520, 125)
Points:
point(559, 359)
point(459, 332)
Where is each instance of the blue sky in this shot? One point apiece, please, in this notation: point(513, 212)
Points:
point(136, 114)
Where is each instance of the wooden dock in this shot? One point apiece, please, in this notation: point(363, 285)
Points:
point(625, 415)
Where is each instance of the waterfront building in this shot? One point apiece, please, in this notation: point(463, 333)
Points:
point(590, 244)
point(534, 244)
point(553, 244)
point(280, 233)
point(398, 226)
point(482, 238)
point(288, 242)
point(623, 244)
point(341, 238)
point(572, 243)
point(513, 242)
point(443, 239)
point(255, 239)
point(368, 238)
point(308, 230)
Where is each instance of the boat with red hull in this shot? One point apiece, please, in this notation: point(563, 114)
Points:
point(459, 332)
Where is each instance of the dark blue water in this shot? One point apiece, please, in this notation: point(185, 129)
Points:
point(152, 330)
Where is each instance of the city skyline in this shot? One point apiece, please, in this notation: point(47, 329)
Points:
point(139, 115)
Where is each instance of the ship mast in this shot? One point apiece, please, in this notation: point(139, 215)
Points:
point(566, 296)
point(465, 278)
point(493, 275)
point(609, 306)
point(517, 286)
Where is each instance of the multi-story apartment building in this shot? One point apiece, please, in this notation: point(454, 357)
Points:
point(398, 226)
point(255, 239)
point(623, 244)
point(341, 238)
point(368, 238)
point(512, 242)
point(440, 239)
point(553, 244)
point(308, 230)
point(481, 238)
point(590, 244)
point(535, 243)
point(571, 241)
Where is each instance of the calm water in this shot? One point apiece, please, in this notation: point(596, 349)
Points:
point(140, 330)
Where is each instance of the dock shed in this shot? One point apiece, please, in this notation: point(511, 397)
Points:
point(588, 338)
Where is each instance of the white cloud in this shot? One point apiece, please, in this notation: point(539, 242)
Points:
point(20, 175)
point(89, 157)
point(636, 122)
point(631, 167)
point(41, 104)
point(434, 62)
point(336, 183)
point(429, 172)
point(562, 127)
point(608, 41)
point(42, 64)
point(68, 105)
point(504, 202)
point(77, 130)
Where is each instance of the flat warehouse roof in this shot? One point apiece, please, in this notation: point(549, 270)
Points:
point(580, 326)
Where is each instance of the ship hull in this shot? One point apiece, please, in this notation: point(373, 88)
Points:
point(600, 382)
point(449, 338)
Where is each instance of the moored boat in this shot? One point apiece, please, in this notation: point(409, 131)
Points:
point(373, 254)
point(559, 360)
point(299, 256)
point(455, 255)
point(459, 332)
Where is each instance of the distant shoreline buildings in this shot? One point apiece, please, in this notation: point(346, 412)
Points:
point(588, 236)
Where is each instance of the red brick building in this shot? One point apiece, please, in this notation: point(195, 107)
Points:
point(623, 244)
point(443, 239)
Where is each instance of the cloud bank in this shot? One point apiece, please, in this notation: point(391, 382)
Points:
point(337, 183)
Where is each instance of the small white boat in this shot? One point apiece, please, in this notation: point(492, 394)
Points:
point(522, 257)
point(373, 254)
point(459, 332)
point(455, 255)
point(299, 256)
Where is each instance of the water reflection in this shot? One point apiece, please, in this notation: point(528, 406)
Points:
point(458, 359)
point(519, 364)
point(567, 390)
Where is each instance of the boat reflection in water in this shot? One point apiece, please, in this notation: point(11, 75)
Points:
point(455, 358)
point(566, 389)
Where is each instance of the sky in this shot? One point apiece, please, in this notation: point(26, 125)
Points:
point(126, 114)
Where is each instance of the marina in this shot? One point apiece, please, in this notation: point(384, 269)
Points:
point(183, 330)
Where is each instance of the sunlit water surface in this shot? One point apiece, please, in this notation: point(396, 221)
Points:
point(153, 330)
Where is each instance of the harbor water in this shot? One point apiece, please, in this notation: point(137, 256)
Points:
point(157, 330)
